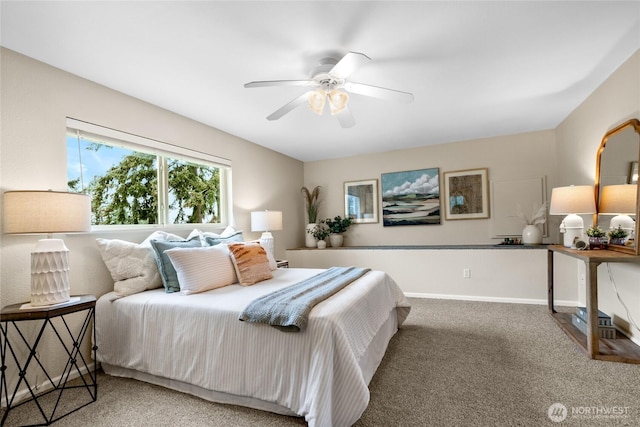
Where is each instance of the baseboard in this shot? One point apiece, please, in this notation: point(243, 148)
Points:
point(492, 299)
point(23, 393)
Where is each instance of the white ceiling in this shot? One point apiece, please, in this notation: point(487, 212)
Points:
point(477, 69)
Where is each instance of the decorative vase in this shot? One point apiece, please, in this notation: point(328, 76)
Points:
point(321, 244)
point(336, 240)
point(309, 240)
point(532, 235)
point(597, 242)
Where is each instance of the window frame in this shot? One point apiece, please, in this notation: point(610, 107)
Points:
point(163, 151)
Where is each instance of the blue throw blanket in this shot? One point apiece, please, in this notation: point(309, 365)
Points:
point(288, 309)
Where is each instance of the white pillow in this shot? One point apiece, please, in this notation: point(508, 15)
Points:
point(132, 266)
point(227, 232)
point(159, 235)
point(202, 269)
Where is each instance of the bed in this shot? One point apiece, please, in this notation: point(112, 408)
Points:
point(196, 344)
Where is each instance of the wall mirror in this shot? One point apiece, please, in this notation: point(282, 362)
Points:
point(616, 188)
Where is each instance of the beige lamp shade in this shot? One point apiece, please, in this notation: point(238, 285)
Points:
point(618, 199)
point(47, 212)
point(574, 199)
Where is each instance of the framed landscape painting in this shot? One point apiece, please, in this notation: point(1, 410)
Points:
point(466, 194)
point(361, 201)
point(411, 197)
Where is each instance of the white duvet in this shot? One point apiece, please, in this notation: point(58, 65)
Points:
point(322, 373)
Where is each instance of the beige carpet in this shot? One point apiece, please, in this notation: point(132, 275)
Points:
point(453, 363)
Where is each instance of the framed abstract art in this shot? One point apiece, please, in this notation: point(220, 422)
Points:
point(466, 194)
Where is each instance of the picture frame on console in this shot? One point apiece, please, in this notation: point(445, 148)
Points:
point(466, 194)
point(361, 201)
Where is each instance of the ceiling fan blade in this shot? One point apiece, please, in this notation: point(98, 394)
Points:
point(378, 92)
point(288, 107)
point(280, 83)
point(348, 64)
point(346, 118)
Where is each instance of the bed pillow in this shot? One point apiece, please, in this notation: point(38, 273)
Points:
point(250, 262)
point(167, 272)
point(227, 232)
point(273, 264)
point(132, 266)
point(202, 269)
point(235, 237)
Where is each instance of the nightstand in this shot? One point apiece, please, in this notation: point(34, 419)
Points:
point(282, 263)
point(23, 348)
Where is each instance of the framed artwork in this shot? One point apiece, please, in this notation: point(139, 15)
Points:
point(361, 201)
point(466, 194)
point(633, 173)
point(411, 197)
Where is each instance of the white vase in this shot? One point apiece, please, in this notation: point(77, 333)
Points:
point(321, 244)
point(336, 240)
point(309, 240)
point(532, 235)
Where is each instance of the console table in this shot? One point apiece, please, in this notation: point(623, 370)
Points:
point(614, 350)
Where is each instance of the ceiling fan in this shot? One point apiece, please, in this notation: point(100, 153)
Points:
point(329, 86)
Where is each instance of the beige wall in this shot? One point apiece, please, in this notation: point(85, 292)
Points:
point(579, 137)
point(565, 155)
point(37, 98)
point(510, 157)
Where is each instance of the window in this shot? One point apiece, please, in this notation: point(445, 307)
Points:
point(138, 181)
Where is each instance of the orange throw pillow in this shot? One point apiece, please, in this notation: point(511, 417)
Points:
point(251, 262)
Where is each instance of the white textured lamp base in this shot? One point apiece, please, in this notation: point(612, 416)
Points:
point(49, 274)
point(266, 241)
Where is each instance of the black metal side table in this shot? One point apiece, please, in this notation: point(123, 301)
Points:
point(11, 318)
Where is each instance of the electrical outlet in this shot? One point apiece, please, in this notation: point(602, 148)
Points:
point(466, 273)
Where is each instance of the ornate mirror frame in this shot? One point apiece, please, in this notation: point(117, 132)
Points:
point(635, 125)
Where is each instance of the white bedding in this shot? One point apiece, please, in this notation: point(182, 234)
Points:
point(196, 343)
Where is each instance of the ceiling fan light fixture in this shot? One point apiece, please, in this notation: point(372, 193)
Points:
point(316, 101)
point(337, 101)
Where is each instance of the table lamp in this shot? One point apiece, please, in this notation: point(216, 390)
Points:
point(47, 212)
point(266, 221)
point(620, 200)
point(572, 201)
